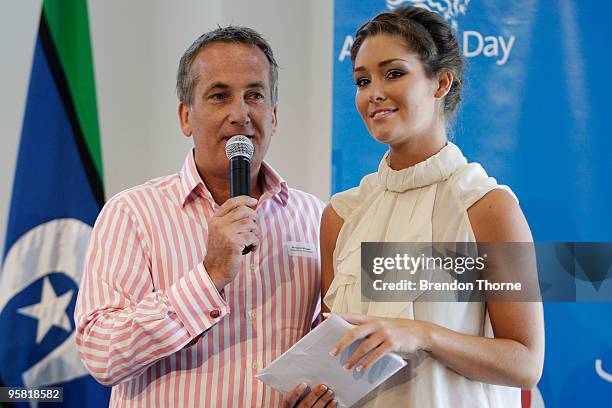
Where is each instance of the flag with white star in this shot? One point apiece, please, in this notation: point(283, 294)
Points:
point(57, 194)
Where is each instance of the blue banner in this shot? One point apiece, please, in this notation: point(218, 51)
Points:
point(534, 114)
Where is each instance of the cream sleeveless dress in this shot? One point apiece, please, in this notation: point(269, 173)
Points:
point(427, 202)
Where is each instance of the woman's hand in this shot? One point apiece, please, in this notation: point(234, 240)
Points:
point(382, 335)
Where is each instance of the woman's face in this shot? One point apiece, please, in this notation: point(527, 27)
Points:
point(395, 98)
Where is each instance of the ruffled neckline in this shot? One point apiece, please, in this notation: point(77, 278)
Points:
point(435, 169)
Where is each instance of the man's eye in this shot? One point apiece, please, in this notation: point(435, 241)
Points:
point(217, 97)
point(361, 82)
point(394, 74)
point(256, 96)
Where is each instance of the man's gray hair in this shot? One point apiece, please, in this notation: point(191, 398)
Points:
point(186, 79)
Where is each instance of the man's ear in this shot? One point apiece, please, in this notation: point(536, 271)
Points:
point(183, 113)
point(274, 119)
point(445, 81)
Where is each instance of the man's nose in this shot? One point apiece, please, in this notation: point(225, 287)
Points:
point(240, 114)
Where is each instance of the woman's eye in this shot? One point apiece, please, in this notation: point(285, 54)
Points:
point(394, 74)
point(361, 82)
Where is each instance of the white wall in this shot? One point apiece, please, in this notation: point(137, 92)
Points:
point(137, 45)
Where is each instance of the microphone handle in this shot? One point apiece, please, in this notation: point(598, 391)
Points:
point(240, 182)
point(240, 176)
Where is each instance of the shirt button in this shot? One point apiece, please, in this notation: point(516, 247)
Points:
point(253, 267)
point(254, 365)
point(253, 315)
point(215, 313)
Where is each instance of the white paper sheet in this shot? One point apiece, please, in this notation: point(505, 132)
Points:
point(309, 361)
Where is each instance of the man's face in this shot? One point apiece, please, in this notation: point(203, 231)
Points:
point(232, 96)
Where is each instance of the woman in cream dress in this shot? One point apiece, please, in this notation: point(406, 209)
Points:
point(408, 73)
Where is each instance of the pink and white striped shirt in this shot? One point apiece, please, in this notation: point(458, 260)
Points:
point(151, 323)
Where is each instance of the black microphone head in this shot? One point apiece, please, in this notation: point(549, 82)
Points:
point(239, 146)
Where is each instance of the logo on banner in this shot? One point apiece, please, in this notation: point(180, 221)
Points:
point(474, 43)
point(601, 372)
point(450, 11)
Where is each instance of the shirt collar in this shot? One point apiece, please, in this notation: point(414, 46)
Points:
point(274, 185)
point(192, 184)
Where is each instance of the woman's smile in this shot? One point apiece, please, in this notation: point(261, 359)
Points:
point(382, 113)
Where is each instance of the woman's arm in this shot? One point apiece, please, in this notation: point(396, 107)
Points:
point(331, 223)
point(514, 357)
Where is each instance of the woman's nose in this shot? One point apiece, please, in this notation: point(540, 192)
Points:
point(376, 94)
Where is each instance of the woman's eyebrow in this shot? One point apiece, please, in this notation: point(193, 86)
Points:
point(380, 64)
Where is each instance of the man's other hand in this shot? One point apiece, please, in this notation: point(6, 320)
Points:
point(303, 397)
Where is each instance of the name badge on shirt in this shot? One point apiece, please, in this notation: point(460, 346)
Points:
point(306, 249)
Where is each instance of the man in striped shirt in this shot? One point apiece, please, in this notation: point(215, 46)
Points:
point(170, 313)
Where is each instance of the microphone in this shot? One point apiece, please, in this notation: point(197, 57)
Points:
point(239, 151)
